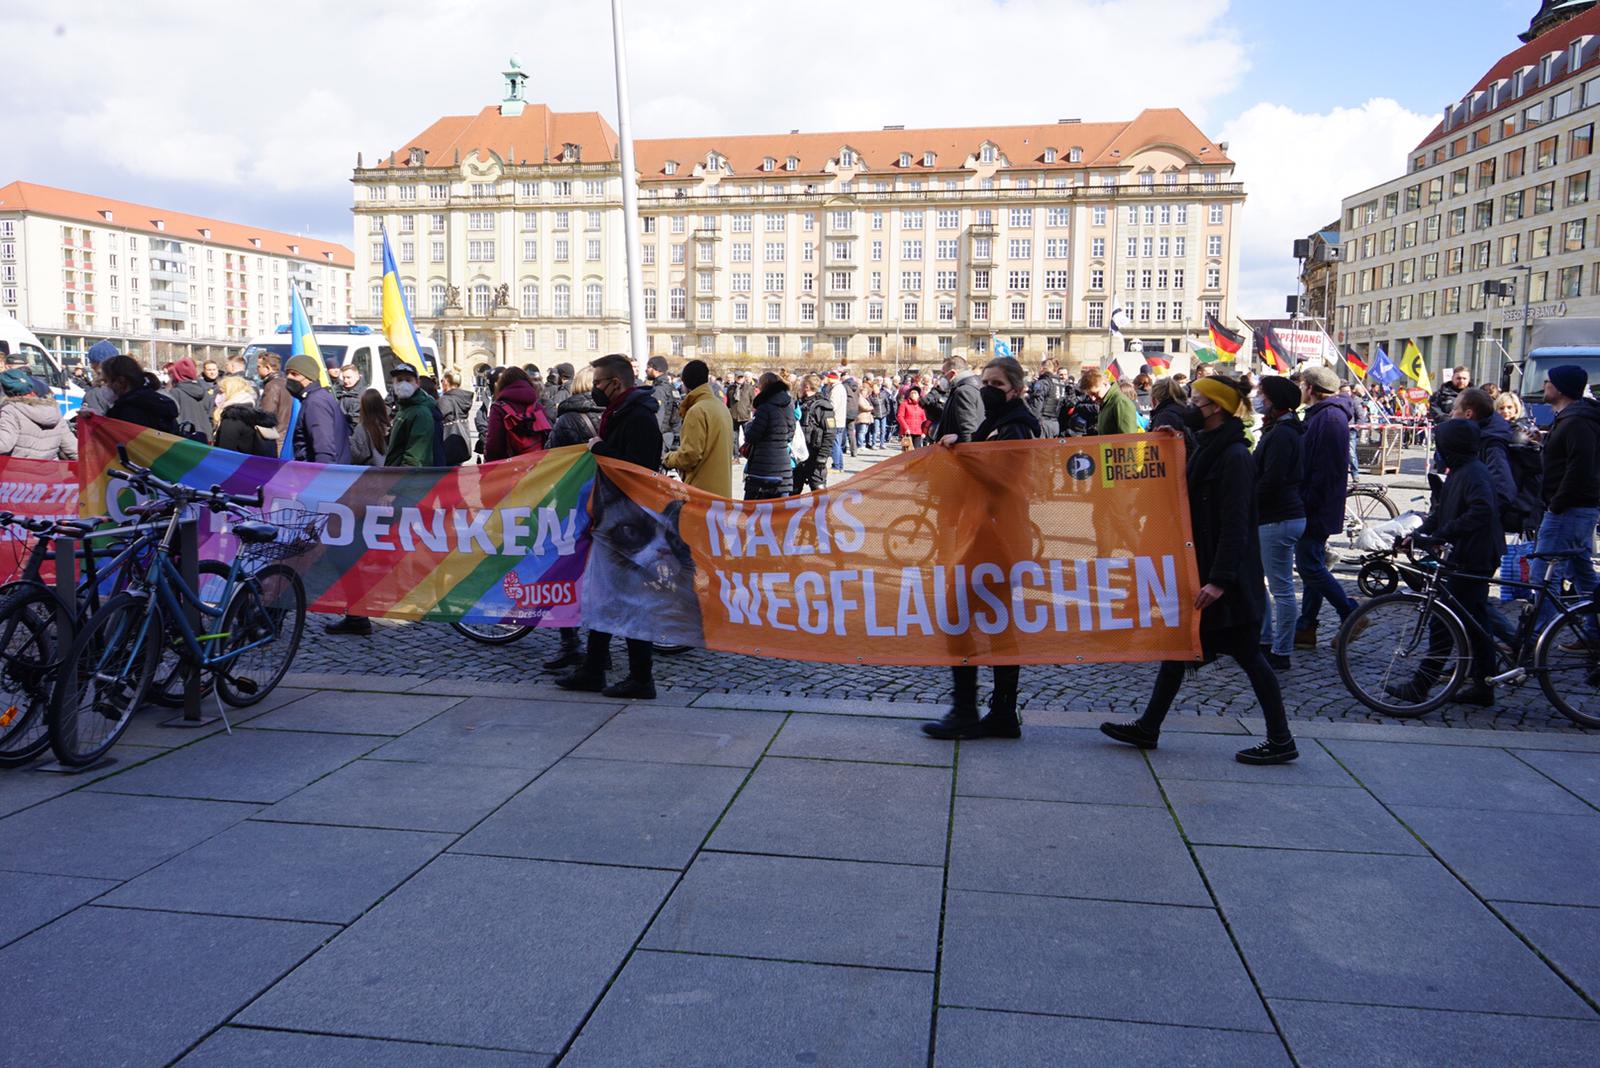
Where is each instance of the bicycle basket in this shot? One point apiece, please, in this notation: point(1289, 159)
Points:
point(299, 531)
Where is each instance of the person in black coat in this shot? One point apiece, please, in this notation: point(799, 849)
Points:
point(558, 387)
point(628, 432)
point(1227, 550)
point(1280, 513)
point(768, 471)
point(1169, 399)
point(139, 397)
point(1467, 518)
point(816, 423)
point(666, 394)
point(1006, 418)
point(963, 405)
point(322, 433)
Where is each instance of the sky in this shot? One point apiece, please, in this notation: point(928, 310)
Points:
point(254, 112)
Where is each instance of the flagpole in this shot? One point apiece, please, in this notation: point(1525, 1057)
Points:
point(630, 195)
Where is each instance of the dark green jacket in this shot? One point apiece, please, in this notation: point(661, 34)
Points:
point(411, 437)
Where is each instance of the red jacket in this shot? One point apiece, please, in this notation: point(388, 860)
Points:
point(912, 419)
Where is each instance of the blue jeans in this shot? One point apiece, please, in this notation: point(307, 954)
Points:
point(1572, 530)
point(1310, 559)
point(838, 447)
point(1277, 560)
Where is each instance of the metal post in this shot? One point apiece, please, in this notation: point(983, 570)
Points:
point(630, 195)
point(189, 569)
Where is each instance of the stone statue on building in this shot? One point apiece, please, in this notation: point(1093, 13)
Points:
point(502, 296)
point(452, 296)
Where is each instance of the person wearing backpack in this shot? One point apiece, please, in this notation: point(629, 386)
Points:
point(517, 423)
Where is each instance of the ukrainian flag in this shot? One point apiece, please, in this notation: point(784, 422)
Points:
point(301, 340)
point(397, 326)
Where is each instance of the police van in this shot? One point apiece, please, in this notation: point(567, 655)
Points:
point(356, 344)
point(16, 339)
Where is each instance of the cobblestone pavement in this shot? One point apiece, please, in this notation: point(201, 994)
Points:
point(1312, 689)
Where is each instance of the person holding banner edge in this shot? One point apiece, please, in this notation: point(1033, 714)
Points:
point(1227, 549)
point(1006, 417)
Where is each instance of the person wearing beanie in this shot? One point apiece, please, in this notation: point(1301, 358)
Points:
point(1227, 551)
point(322, 433)
point(99, 398)
point(1466, 517)
point(1280, 513)
point(1570, 486)
point(193, 398)
point(1324, 481)
point(31, 427)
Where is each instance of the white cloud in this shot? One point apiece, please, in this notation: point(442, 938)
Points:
point(1296, 169)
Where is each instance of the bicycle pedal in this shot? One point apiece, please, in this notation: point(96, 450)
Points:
point(1509, 678)
point(245, 686)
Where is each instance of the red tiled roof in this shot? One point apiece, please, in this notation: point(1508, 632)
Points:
point(87, 207)
point(532, 137)
point(1553, 40)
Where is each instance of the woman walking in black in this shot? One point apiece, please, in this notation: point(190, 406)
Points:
point(1227, 550)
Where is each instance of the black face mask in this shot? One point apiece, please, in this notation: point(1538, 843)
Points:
point(295, 389)
point(599, 396)
point(1194, 418)
point(994, 400)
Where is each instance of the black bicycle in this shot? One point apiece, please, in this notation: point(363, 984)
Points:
point(1405, 653)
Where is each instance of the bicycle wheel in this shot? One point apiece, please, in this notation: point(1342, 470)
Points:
point(1366, 506)
point(104, 678)
point(27, 667)
point(493, 633)
point(1568, 662)
point(1378, 577)
point(1402, 655)
point(269, 609)
point(166, 689)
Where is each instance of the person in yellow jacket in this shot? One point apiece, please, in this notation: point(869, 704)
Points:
point(704, 455)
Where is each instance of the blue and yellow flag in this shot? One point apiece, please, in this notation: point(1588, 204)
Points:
point(1414, 367)
point(302, 342)
point(397, 326)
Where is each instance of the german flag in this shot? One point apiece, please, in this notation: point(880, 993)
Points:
point(1160, 363)
point(1225, 341)
point(1353, 360)
point(1272, 351)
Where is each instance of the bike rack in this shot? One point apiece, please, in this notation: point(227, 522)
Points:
point(189, 569)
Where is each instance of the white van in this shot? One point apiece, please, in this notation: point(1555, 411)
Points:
point(42, 363)
point(358, 344)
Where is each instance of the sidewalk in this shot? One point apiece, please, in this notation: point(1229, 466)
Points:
point(399, 870)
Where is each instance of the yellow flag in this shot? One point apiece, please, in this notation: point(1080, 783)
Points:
point(1415, 367)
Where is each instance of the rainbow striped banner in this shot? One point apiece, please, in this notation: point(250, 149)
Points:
point(492, 543)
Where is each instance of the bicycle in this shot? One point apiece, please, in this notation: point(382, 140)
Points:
point(1407, 652)
point(1366, 504)
point(493, 633)
point(107, 672)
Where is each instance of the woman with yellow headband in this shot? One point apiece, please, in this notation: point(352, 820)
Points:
point(1227, 550)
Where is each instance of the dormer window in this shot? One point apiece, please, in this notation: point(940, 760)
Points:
point(205, 232)
point(905, 159)
point(711, 161)
point(255, 242)
point(106, 214)
point(571, 153)
point(792, 163)
point(847, 158)
point(986, 154)
point(294, 250)
point(415, 157)
point(159, 224)
point(1074, 155)
point(670, 167)
point(769, 164)
point(928, 159)
point(1049, 155)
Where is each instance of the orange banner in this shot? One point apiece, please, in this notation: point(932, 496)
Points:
point(1039, 552)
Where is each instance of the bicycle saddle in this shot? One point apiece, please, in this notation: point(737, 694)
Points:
point(252, 533)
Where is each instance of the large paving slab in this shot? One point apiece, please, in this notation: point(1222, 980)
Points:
point(825, 706)
point(716, 1011)
point(1153, 963)
point(355, 713)
point(146, 726)
point(885, 741)
point(843, 811)
point(403, 795)
point(501, 733)
point(610, 812)
point(1578, 772)
point(1570, 937)
point(1454, 777)
point(24, 787)
point(1058, 764)
point(1511, 856)
point(259, 766)
point(1117, 852)
point(1286, 817)
point(1187, 756)
point(121, 986)
point(109, 836)
point(245, 1047)
point(970, 1038)
point(1371, 929)
point(473, 951)
point(683, 736)
point(34, 900)
point(283, 871)
point(1359, 1036)
point(794, 908)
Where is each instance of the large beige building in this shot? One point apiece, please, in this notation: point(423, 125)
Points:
point(880, 245)
point(76, 268)
point(1501, 191)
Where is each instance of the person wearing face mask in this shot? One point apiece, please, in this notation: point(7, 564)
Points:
point(1280, 512)
point(963, 406)
point(322, 433)
point(417, 437)
point(1227, 550)
point(1006, 417)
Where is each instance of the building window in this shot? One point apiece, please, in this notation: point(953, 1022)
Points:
point(530, 300)
point(479, 299)
point(592, 250)
point(562, 300)
point(1214, 245)
point(1570, 282)
point(436, 293)
point(677, 302)
point(530, 249)
point(481, 251)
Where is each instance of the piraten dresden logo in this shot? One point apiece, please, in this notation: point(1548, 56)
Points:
point(1080, 465)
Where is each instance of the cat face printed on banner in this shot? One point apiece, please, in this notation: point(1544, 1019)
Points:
point(640, 578)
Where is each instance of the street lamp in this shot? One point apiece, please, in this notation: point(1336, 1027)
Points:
point(1527, 287)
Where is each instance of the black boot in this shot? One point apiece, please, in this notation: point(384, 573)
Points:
point(1132, 733)
point(570, 655)
point(962, 719)
point(1002, 720)
point(590, 675)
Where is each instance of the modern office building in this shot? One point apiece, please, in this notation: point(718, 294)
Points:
point(1501, 192)
point(76, 268)
point(884, 245)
